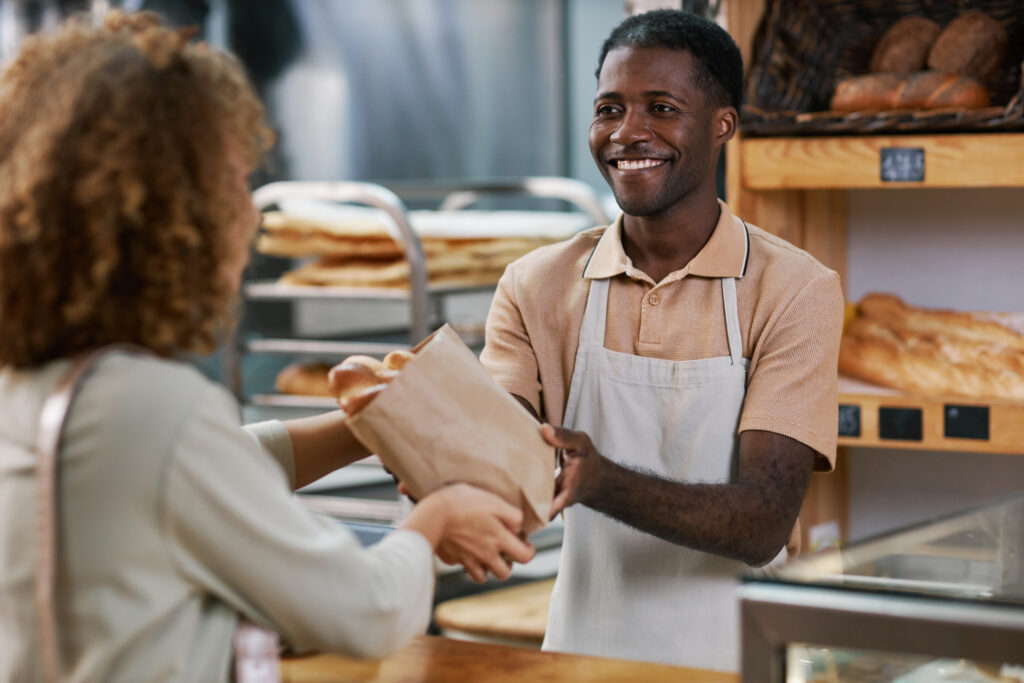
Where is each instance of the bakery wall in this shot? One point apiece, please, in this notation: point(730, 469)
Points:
point(588, 23)
point(960, 249)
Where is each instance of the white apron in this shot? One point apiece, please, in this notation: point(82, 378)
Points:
point(627, 594)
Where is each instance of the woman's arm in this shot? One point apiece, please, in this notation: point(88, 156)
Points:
point(322, 444)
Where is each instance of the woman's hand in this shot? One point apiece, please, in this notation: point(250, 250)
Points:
point(469, 526)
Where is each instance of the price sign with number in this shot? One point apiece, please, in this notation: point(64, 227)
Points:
point(902, 164)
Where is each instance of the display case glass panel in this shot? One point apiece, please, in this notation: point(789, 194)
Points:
point(940, 601)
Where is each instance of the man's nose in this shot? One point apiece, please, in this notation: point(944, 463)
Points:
point(633, 127)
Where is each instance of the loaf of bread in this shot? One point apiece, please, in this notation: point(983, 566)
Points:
point(934, 352)
point(347, 379)
point(368, 362)
point(354, 403)
point(922, 90)
point(304, 379)
point(974, 44)
point(905, 46)
point(357, 380)
point(396, 360)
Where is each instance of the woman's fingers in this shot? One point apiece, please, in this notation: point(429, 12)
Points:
point(511, 516)
point(475, 571)
point(499, 567)
point(516, 549)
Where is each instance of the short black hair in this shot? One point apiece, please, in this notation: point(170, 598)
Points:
point(719, 63)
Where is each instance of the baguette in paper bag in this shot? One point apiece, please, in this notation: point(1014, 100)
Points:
point(443, 419)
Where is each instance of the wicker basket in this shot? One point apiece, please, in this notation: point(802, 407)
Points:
point(802, 47)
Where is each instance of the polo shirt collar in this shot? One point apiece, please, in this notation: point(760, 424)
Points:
point(724, 255)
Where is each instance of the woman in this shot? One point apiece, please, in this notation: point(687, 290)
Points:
point(125, 217)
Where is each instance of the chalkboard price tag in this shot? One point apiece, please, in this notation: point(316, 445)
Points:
point(902, 164)
point(903, 424)
point(966, 422)
point(849, 420)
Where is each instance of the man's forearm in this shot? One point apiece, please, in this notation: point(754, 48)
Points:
point(746, 521)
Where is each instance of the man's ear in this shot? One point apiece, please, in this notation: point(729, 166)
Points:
point(725, 122)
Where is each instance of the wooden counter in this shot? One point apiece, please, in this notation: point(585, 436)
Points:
point(432, 659)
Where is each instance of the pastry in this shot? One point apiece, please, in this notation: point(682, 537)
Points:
point(304, 379)
point(396, 360)
point(904, 47)
point(973, 44)
point(922, 90)
point(359, 379)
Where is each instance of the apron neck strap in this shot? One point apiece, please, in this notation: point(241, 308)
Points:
point(732, 319)
point(596, 314)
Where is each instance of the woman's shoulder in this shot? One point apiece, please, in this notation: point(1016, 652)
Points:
point(143, 389)
point(148, 374)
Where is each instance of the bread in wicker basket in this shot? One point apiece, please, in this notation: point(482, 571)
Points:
point(803, 48)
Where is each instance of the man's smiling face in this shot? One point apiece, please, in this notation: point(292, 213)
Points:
point(653, 131)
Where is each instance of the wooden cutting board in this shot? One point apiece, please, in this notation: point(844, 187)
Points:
point(519, 613)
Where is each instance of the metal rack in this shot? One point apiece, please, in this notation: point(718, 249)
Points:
point(423, 298)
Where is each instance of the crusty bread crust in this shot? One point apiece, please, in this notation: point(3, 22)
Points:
point(354, 403)
point(304, 379)
point(904, 47)
point(921, 90)
point(934, 352)
point(359, 379)
point(396, 360)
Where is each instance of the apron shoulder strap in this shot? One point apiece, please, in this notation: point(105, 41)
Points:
point(732, 319)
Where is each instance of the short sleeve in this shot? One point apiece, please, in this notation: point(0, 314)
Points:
point(508, 354)
point(234, 529)
point(793, 389)
point(273, 437)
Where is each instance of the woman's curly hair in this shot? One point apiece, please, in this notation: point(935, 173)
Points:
point(116, 193)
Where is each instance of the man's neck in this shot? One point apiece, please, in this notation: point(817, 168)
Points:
point(659, 245)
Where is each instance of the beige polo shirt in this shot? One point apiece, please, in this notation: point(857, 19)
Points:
point(790, 313)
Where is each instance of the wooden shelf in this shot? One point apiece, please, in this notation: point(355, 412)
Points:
point(884, 418)
point(854, 161)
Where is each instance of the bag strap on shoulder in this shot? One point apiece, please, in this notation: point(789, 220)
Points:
point(51, 425)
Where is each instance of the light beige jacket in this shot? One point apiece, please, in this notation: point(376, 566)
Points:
point(174, 520)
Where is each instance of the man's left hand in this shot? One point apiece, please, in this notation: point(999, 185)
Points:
point(581, 466)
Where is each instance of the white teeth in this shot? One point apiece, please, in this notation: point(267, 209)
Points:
point(635, 164)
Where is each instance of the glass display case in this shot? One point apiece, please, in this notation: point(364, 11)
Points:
point(941, 601)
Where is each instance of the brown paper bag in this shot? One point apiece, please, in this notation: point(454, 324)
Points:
point(445, 420)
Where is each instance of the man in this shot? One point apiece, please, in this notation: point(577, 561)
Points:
point(696, 351)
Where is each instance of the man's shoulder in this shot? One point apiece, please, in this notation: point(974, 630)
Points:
point(773, 259)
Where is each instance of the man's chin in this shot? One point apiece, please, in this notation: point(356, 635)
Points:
point(639, 207)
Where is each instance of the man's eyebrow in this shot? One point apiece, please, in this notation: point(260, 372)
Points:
point(647, 93)
point(664, 93)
